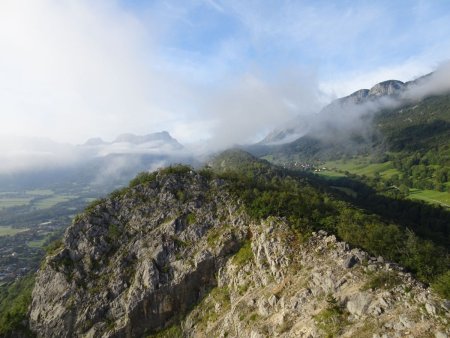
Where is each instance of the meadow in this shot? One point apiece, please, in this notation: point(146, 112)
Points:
point(8, 231)
point(37, 199)
point(362, 167)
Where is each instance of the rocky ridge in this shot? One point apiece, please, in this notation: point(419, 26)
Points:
point(176, 253)
point(359, 101)
point(316, 287)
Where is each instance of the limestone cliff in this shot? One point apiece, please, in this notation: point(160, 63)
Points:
point(178, 255)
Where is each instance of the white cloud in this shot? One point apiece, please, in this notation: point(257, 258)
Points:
point(251, 106)
point(73, 69)
point(350, 82)
point(221, 72)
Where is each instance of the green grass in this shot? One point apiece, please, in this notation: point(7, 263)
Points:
point(174, 331)
point(360, 166)
point(389, 173)
point(40, 192)
point(431, 196)
point(39, 243)
point(52, 201)
point(382, 280)
point(330, 174)
point(7, 230)
point(268, 158)
point(36, 244)
point(332, 319)
point(244, 255)
point(8, 202)
point(38, 198)
point(15, 300)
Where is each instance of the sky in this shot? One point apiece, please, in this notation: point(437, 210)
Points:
point(210, 72)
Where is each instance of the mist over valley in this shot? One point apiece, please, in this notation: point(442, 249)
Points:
point(212, 168)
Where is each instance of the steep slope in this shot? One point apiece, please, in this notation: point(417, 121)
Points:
point(136, 261)
point(285, 286)
point(195, 254)
point(337, 109)
point(418, 126)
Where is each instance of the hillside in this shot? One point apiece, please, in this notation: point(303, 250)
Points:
point(397, 146)
point(237, 252)
point(418, 126)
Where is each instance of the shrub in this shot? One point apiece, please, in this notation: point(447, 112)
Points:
point(331, 320)
point(15, 300)
point(93, 205)
point(191, 219)
point(382, 280)
point(244, 255)
point(114, 232)
point(173, 331)
point(142, 178)
point(52, 247)
point(178, 169)
point(442, 285)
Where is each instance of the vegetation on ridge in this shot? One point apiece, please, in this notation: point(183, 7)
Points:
point(14, 302)
point(309, 204)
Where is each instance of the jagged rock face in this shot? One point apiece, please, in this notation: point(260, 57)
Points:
point(359, 96)
point(137, 262)
point(383, 89)
point(163, 136)
point(292, 287)
point(386, 88)
point(180, 251)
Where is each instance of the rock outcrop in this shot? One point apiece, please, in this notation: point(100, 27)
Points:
point(296, 287)
point(178, 254)
point(137, 261)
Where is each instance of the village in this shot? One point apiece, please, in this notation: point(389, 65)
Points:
point(22, 252)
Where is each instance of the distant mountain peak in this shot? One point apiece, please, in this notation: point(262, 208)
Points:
point(94, 141)
point(386, 88)
point(139, 139)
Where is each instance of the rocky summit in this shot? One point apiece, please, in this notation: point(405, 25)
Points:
point(177, 255)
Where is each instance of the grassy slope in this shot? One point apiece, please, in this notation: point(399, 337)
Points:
point(362, 166)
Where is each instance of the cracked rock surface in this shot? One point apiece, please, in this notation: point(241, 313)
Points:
point(179, 252)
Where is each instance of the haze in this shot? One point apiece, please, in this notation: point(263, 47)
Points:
point(210, 72)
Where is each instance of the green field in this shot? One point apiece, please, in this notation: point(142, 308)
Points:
point(40, 192)
point(8, 202)
point(39, 243)
point(35, 199)
point(431, 196)
point(52, 201)
point(7, 230)
point(361, 167)
point(331, 174)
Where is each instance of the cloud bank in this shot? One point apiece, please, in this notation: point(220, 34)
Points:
point(213, 73)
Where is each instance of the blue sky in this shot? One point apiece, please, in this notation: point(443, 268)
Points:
point(338, 39)
point(226, 71)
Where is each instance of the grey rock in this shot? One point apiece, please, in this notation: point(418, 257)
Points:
point(272, 300)
point(264, 308)
point(446, 305)
point(359, 303)
point(350, 262)
point(431, 309)
point(406, 322)
point(175, 259)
